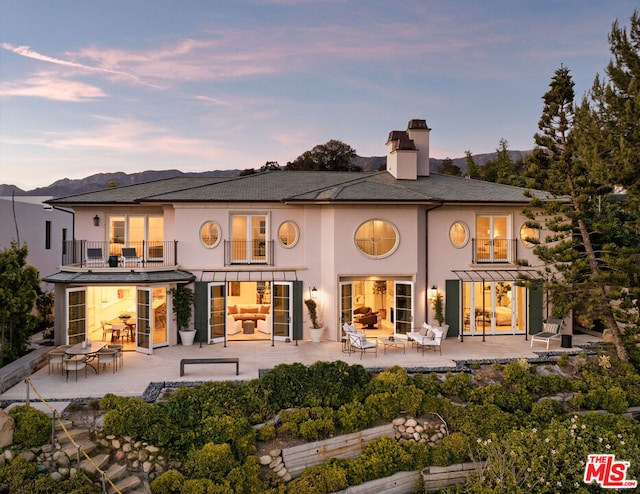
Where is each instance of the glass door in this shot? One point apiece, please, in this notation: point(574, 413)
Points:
point(217, 311)
point(76, 315)
point(403, 310)
point(144, 322)
point(160, 328)
point(281, 304)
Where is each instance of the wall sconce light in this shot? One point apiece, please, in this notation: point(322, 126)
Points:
point(96, 220)
point(314, 293)
point(433, 291)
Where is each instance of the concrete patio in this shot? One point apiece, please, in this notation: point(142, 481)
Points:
point(140, 370)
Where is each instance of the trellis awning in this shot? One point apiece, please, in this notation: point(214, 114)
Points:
point(496, 275)
point(249, 275)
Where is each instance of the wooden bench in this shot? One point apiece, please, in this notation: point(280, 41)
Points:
point(230, 360)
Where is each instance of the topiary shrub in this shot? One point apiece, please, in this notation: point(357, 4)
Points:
point(33, 427)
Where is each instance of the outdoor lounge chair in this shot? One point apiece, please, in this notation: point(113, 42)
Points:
point(95, 257)
point(360, 343)
point(433, 339)
point(550, 330)
point(130, 256)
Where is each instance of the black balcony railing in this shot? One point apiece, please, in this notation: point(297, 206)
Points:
point(95, 254)
point(248, 252)
point(493, 250)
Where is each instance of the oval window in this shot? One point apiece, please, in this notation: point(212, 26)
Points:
point(459, 234)
point(376, 238)
point(288, 234)
point(210, 234)
point(529, 236)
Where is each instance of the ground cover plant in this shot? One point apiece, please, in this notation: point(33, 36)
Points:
point(527, 427)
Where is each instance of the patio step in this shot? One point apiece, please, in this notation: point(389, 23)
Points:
point(71, 451)
point(98, 461)
point(116, 472)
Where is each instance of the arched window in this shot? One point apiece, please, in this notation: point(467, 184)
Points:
point(377, 238)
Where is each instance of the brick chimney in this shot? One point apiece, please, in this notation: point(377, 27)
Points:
point(408, 151)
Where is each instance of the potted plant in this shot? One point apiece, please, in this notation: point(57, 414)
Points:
point(316, 328)
point(182, 301)
point(380, 288)
point(437, 307)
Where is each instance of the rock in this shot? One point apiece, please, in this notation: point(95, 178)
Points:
point(275, 452)
point(265, 460)
point(152, 449)
point(146, 466)
point(410, 430)
point(282, 473)
point(411, 423)
point(7, 426)
point(56, 476)
point(115, 444)
point(9, 455)
point(398, 421)
point(276, 461)
point(278, 467)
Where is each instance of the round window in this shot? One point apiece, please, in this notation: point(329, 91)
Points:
point(288, 234)
point(377, 238)
point(459, 234)
point(529, 236)
point(210, 234)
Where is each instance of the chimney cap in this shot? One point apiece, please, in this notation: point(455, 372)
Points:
point(417, 124)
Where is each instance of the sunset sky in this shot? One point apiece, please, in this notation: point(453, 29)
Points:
point(126, 85)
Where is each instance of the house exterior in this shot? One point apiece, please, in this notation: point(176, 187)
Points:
point(41, 227)
point(254, 247)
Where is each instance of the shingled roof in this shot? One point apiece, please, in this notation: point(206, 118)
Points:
point(309, 187)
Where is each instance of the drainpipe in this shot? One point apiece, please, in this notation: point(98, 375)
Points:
point(426, 256)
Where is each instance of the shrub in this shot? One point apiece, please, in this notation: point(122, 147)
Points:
point(237, 432)
point(456, 386)
point(352, 416)
point(169, 482)
point(313, 430)
point(321, 479)
point(33, 427)
point(616, 400)
point(204, 486)
point(382, 405)
point(546, 410)
point(266, 432)
point(212, 461)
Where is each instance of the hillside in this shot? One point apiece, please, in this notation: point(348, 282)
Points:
point(66, 187)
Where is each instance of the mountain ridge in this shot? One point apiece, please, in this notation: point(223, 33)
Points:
point(100, 181)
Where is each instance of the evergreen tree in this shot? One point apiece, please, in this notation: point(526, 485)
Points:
point(473, 170)
point(583, 267)
point(448, 168)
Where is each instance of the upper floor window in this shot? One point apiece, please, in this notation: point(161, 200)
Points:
point(288, 234)
point(377, 238)
point(459, 234)
point(249, 238)
point(529, 236)
point(145, 233)
point(210, 234)
point(492, 238)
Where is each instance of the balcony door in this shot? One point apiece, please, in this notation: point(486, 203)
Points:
point(492, 233)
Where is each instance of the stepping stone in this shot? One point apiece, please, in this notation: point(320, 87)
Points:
point(116, 472)
point(76, 434)
point(127, 484)
point(71, 451)
point(99, 460)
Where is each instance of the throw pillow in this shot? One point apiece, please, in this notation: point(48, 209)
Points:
point(264, 309)
point(424, 330)
point(233, 309)
point(430, 334)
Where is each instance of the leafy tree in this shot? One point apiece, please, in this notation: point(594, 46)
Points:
point(19, 284)
point(270, 165)
point(448, 168)
point(247, 171)
point(332, 156)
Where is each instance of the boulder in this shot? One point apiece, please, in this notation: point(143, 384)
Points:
point(7, 426)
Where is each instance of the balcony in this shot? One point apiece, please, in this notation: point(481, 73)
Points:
point(248, 252)
point(493, 251)
point(94, 254)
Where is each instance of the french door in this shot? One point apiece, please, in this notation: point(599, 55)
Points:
point(217, 310)
point(76, 315)
point(144, 321)
point(281, 305)
point(404, 307)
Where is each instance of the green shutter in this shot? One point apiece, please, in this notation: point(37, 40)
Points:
point(452, 306)
point(535, 308)
point(297, 310)
point(201, 309)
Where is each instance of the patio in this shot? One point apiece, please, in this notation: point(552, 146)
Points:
point(140, 370)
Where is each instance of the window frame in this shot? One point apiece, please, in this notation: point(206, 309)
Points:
point(467, 235)
point(218, 239)
point(296, 231)
point(376, 256)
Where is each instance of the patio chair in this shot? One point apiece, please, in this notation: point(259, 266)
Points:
point(95, 257)
point(75, 364)
point(120, 354)
point(118, 331)
point(130, 256)
point(108, 356)
point(360, 343)
point(433, 339)
point(550, 330)
point(414, 336)
point(56, 358)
